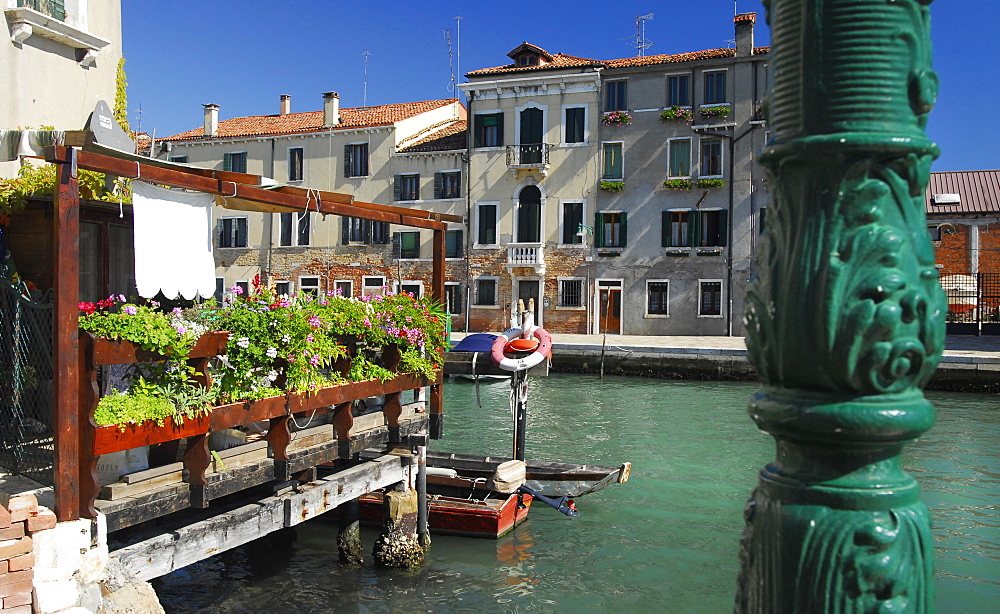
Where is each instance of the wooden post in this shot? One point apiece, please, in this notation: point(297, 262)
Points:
point(349, 535)
point(65, 346)
point(398, 546)
point(89, 394)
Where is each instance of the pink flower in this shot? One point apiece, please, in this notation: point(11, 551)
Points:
point(309, 339)
point(314, 321)
point(237, 290)
point(130, 309)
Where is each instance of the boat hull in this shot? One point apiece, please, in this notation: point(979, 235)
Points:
point(489, 518)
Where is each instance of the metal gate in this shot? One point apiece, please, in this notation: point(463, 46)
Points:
point(26, 399)
point(973, 303)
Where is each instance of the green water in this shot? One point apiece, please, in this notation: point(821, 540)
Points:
point(665, 542)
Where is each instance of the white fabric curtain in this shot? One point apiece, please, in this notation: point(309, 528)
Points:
point(173, 242)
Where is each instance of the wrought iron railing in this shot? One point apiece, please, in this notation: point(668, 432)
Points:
point(26, 420)
point(53, 8)
point(531, 155)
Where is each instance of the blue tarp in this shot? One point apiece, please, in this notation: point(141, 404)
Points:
point(476, 342)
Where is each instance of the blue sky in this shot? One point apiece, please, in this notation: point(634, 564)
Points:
point(245, 55)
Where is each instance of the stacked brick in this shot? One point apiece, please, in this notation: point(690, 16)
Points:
point(20, 517)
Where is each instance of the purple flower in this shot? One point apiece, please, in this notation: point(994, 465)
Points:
point(177, 311)
point(237, 290)
point(130, 309)
point(314, 321)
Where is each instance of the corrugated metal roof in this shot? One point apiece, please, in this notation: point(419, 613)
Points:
point(977, 191)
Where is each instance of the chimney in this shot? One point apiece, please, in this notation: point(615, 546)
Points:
point(286, 105)
point(211, 119)
point(331, 109)
point(744, 34)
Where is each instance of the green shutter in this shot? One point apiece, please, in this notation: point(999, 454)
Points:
point(438, 185)
point(723, 227)
point(599, 229)
point(477, 131)
point(397, 187)
point(345, 230)
point(694, 228)
point(665, 229)
point(624, 229)
point(227, 161)
point(396, 245)
point(499, 129)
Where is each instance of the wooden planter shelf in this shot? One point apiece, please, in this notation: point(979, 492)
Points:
point(98, 440)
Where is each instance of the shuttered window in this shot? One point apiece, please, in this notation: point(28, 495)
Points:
point(488, 130)
point(356, 160)
point(294, 229)
point(610, 229)
point(406, 187)
point(448, 184)
point(656, 298)
point(453, 244)
point(233, 232)
point(486, 291)
point(234, 161)
point(679, 152)
point(572, 220)
point(575, 124)
point(679, 91)
point(406, 245)
point(614, 166)
point(295, 159)
point(715, 87)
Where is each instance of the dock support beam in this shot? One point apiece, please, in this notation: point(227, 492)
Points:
point(349, 536)
point(398, 546)
point(845, 320)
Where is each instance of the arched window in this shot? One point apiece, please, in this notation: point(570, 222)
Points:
point(529, 215)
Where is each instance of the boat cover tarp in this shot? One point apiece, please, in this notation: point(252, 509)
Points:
point(476, 342)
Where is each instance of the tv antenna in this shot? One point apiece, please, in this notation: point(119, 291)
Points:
point(138, 119)
point(641, 44)
point(458, 47)
point(364, 94)
point(451, 63)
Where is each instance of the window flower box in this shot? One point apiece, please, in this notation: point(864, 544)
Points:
point(612, 186)
point(719, 112)
point(677, 184)
point(616, 118)
point(678, 114)
point(710, 183)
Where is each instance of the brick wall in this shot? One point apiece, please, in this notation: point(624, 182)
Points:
point(953, 250)
point(20, 517)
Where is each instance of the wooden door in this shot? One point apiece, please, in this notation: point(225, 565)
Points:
point(610, 311)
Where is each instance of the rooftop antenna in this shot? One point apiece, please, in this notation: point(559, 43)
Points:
point(451, 64)
point(138, 119)
point(364, 94)
point(458, 46)
point(641, 44)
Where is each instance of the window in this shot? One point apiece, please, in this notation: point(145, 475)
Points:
point(407, 187)
point(710, 298)
point(679, 91)
point(453, 297)
point(486, 224)
point(527, 60)
point(711, 157)
point(488, 130)
point(343, 287)
point(415, 288)
point(609, 229)
point(693, 228)
point(676, 231)
point(406, 245)
point(448, 184)
point(715, 87)
point(372, 285)
point(234, 232)
point(293, 229)
point(220, 289)
point(356, 160)
point(712, 228)
point(572, 223)
point(571, 292)
point(234, 161)
point(614, 166)
point(283, 288)
point(656, 298)
point(576, 122)
point(357, 230)
point(295, 164)
point(486, 291)
point(679, 154)
point(453, 244)
point(53, 8)
point(309, 285)
point(244, 286)
point(178, 159)
point(616, 95)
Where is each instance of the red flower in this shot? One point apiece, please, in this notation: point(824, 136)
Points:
point(87, 308)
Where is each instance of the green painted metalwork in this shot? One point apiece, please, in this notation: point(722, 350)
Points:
point(845, 321)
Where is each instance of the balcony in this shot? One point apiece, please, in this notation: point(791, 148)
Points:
point(526, 255)
point(528, 157)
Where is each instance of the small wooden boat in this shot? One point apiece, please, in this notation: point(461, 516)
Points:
point(463, 506)
point(547, 478)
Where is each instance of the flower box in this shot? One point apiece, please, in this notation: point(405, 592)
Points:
point(684, 114)
point(616, 118)
point(677, 184)
point(718, 112)
point(612, 186)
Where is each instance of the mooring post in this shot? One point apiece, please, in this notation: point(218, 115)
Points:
point(349, 535)
point(398, 545)
point(845, 321)
point(423, 530)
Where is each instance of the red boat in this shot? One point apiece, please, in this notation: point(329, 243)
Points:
point(462, 506)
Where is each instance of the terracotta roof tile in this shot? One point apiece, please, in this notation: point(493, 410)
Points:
point(559, 60)
point(978, 192)
point(450, 138)
point(312, 121)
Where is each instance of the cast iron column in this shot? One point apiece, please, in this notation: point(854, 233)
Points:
point(845, 322)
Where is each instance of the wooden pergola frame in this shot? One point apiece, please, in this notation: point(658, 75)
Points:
point(246, 194)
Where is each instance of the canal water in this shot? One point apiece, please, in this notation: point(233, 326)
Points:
point(666, 541)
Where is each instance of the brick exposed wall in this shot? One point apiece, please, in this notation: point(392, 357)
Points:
point(19, 519)
point(953, 251)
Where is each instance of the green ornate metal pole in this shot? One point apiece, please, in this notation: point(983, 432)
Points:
point(845, 323)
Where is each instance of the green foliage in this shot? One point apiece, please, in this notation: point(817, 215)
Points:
point(710, 112)
point(132, 408)
point(120, 109)
point(677, 184)
point(612, 186)
point(39, 181)
point(677, 114)
point(412, 361)
point(710, 183)
point(616, 118)
point(363, 369)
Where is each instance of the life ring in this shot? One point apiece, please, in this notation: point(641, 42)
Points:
point(509, 361)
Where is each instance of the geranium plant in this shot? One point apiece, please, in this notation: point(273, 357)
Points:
point(612, 186)
point(684, 114)
point(721, 111)
point(616, 118)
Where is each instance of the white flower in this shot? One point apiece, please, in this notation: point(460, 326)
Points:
point(286, 338)
point(272, 352)
point(272, 375)
point(243, 342)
